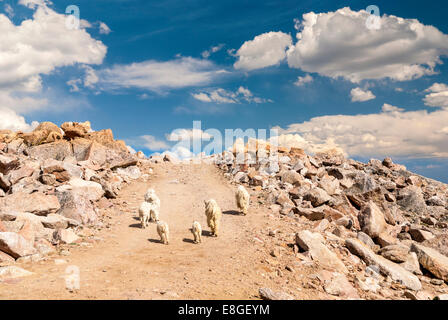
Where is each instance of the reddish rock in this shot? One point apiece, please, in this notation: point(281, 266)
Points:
point(15, 245)
point(37, 203)
point(66, 236)
point(8, 163)
point(6, 258)
point(28, 232)
point(2, 227)
point(75, 129)
point(23, 172)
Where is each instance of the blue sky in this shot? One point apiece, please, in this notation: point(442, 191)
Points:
point(146, 68)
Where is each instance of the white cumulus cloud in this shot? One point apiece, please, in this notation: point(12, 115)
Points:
point(360, 95)
point(338, 44)
point(301, 81)
point(267, 49)
point(10, 120)
point(393, 132)
point(437, 96)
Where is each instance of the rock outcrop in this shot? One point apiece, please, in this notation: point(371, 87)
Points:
point(51, 183)
point(391, 219)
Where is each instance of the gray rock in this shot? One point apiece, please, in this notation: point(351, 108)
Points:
point(386, 267)
point(363, 183)
point(77, 206)
point(411, 199)
point(56, 150)
point(436, 201)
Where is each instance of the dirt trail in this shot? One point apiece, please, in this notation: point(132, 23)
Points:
point(127, 262)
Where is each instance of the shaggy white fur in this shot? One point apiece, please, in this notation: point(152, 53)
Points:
point(154, 214)
point(151, 197)
point(163, 231)
point(242, 199)
point(197, 232)
point(144, 212)
point(213, 213)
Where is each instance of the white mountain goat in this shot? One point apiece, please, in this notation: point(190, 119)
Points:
point(213, 213)
point(151, 197)
point(144, 212)
point(197, 232)
point(242, 199)
point(163, 231)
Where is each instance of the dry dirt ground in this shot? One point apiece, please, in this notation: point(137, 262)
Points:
point(124, 261)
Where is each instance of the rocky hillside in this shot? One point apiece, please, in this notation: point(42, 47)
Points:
point(366, 226)
point(335, 226)
point(52, 182)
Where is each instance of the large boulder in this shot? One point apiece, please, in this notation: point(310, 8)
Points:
point(65, 236)
point(396, 253)
point(37, 203)
point(372, 220)
point(8, 163)
point(411, 199)
point(362, 183)
point(74, 129)
point(317, 197)
point(23, 172)
point(132, 172)
point(314, 244)
point(386, 267)
point(292, 177)
point(91, 190)
point(432, 260)
point(45, 132)
point(81, 147)
point(15, 245)
point(56, 150)
point(76, 205)
point(106, 138)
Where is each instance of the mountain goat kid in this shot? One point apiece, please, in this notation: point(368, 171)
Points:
point(242, 199)
point(163, 231)
point(197, 232)
point(213, 213)
point(144, 212)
